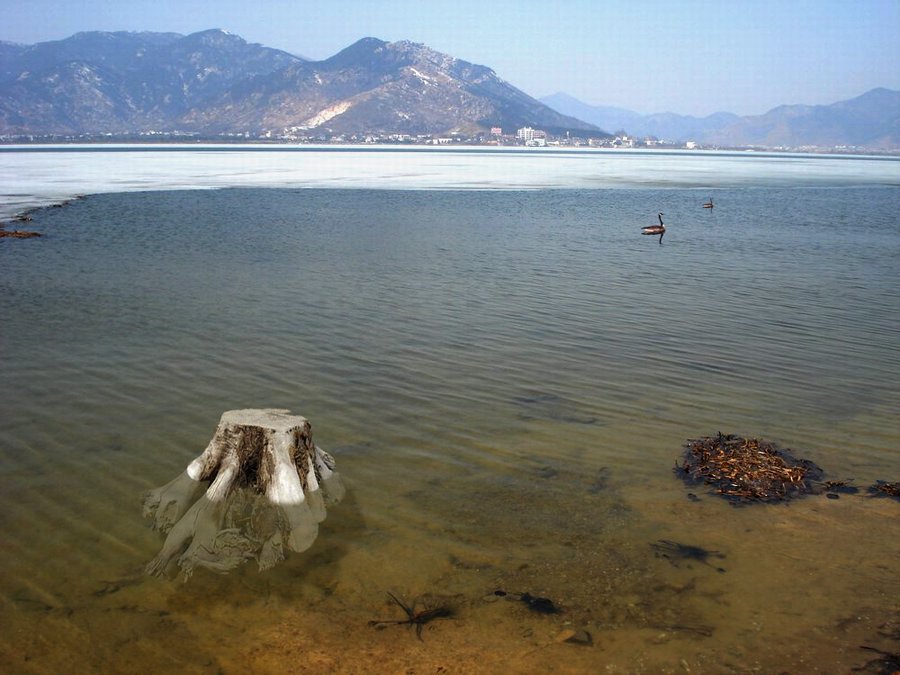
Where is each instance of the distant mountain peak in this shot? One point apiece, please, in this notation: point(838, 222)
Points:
point(215, 82)
point(373, 41)
point(357, 53)
point(364, 45)
point(869, 121)
point(216, 36)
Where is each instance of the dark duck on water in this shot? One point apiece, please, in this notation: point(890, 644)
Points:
point(656, 229)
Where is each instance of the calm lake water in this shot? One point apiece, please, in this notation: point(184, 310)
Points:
point(505, 372)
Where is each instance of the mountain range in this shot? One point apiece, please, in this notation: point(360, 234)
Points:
point(870, 121)
point(214, 82)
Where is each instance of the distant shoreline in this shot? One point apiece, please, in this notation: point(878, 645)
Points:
point(263, 145)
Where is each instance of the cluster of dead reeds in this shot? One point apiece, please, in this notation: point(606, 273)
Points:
point(882, 488)
point(16, 234)
point(746, 469)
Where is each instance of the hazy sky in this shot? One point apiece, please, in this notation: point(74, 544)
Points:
point(686, 56)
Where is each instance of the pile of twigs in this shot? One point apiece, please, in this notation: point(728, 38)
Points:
point(884, 489)
point(16, 234)
point(746, 469)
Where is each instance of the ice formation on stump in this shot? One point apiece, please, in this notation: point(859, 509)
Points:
point(269, 487)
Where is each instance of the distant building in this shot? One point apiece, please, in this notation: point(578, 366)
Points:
point(691, 145)
point(496, 131)
point(525, 134)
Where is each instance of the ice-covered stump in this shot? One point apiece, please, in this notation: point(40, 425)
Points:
point(268, 487)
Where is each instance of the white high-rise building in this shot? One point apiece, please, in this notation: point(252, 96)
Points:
point(525, 134)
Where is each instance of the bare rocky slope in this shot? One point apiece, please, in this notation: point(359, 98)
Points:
point(213, 82)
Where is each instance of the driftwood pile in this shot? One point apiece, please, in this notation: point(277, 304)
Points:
point(17, 234)
point(884, 489)
point(747, 469)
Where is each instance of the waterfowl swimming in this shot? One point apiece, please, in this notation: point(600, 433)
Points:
point(709, 204)
point(656, 229)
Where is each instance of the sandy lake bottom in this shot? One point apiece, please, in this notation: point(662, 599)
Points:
point(505, 380)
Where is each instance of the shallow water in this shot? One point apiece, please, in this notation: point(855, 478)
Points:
point(505, 379)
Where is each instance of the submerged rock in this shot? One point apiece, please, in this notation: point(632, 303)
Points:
point(534, 603)
point(547, 406)
point(575, 637)
point(676, 552)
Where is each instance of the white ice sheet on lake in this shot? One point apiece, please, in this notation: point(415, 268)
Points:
point(33, 176)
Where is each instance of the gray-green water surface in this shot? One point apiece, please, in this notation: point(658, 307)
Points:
point(505, 380)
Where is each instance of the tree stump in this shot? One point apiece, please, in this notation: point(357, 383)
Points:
point(268, 487)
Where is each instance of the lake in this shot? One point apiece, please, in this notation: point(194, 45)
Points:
point(505, 372)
